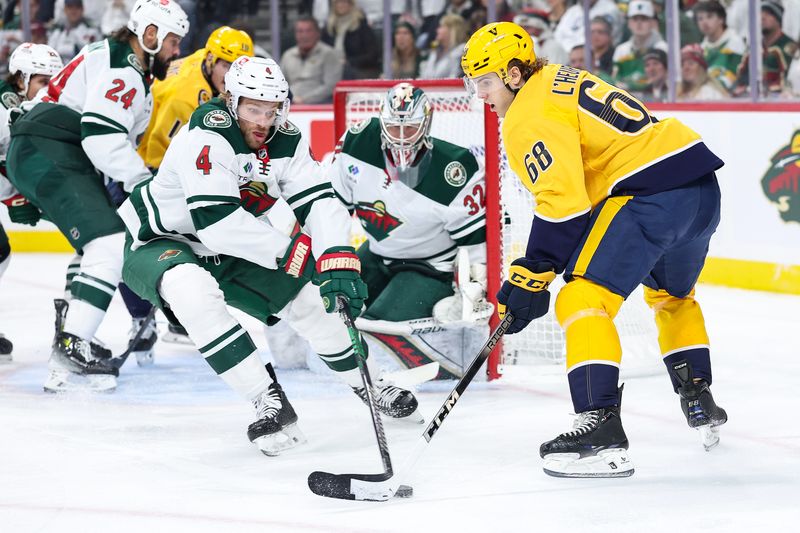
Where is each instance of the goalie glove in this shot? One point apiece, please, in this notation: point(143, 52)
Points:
point(21, 211)
point(469, 304)
point(339, 272)
point(524, 294)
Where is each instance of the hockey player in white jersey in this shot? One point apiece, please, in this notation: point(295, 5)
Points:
point(196, 243)
point(88, 121)
point(30, 68)
point(419, 199)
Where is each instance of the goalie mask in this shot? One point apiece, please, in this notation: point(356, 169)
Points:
point(405, 118)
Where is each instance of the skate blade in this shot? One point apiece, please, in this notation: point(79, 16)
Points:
point(289, 437)
point(174, 338)
point(613, 462)
point(144, 358)
point(65, 381)
point(709, 435)
point(414, 418)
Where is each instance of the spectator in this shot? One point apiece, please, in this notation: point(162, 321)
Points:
point(655, 70)
point(695, 81)
point(777, 52)
point(349, 33)
point(629, 56)
point(577, 58)
point(570, 30)
point(92, 10)
point(602, 47)
point(68, 37)
point(11, 33)
point(479, 18)
point(406, 57)
point(737, 18)
point(115, 16)
point(723, 49)
point(312, 68)
point(557, 10)
point(444, 60)
point(536, 23)
point(687, 28)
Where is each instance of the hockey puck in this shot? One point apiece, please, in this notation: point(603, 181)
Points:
point(404, 491)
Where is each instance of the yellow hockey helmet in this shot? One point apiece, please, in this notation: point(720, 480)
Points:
point(493, 46)
point(229, 44)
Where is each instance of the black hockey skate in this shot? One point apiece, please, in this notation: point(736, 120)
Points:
point(596, 447)
point(276, 428)
point(144, 347)
point(73, 368)
point(698, 405)
point(392, 401)
point(98, 350)
point(6, 347)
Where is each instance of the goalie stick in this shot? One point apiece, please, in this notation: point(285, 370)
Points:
point(381, 487)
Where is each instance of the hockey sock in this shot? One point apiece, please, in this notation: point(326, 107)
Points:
point(196, 300)
point(681, 331)
point(94, 286)
point(73, 268)
point(586, 310)
point(137, 307)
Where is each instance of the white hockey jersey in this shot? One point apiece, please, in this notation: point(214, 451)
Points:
point(9, 99)
point(211, 188)
point(108, 86)
point(428, 222)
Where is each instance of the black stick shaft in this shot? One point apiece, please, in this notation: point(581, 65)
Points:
point(377, 423)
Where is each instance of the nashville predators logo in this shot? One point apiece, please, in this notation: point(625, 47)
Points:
point(169, 254)
point(781, 183)
point(255, 198)
point(376, 220)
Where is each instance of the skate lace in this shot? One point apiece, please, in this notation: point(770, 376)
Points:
point(268, 404)
point(82, 348)
point(586, 422)
point(387, 394)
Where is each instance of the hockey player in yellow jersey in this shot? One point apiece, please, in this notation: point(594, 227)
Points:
point(622, 198)
point(191, 82)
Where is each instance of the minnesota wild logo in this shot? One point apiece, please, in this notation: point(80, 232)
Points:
point(255, 198)
point(781, 183)
point(376, 220)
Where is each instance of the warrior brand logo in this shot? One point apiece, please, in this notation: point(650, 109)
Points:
point(169, 254)
point(781, 183)
point(455, 174)
point(255, 198)
point(217, 119)
point(298, 261)
point(376, 220)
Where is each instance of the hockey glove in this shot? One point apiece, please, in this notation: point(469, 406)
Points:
point(21, 211)
point(339, 272)
point(524, 294)
point(297, 255)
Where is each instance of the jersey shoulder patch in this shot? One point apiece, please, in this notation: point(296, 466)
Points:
point(363, 142)
point(214, 116)
point(284, 142)
point(121, 56)
point(8, 97)
point(450, 169)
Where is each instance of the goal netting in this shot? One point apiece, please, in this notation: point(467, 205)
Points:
point(459, 119)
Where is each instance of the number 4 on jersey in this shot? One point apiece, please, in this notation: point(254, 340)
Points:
point(203, 162)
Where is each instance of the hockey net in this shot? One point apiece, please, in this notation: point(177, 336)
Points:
point(459, 119)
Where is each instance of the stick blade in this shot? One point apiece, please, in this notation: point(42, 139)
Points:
point(364, 487)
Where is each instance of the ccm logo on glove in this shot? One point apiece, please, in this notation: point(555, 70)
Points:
point(532, 281)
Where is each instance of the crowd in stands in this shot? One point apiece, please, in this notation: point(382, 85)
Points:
point(342, 39)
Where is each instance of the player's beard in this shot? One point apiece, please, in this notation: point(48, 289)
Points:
point(160, 67)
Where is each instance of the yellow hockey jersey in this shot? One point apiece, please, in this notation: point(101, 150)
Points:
point(174, 101)
point(574, 140)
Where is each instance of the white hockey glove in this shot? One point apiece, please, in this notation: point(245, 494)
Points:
point(469, 303)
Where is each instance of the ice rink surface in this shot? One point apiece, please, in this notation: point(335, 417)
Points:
point(168, 450)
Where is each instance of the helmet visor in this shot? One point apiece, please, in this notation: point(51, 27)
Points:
point(483, 85)
point(262, 113)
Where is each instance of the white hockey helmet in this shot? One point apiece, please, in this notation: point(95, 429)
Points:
point(260, 79)
point(31, 59)
point(405, 118)
point(166, 15)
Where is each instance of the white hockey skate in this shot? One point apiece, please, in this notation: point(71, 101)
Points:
point(145, 346)
point(177, 335)
point(73, 368)
point(276, 429)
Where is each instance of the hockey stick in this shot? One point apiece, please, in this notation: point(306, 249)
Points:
point(316, 480)
point(382, 487)
point(119, 360)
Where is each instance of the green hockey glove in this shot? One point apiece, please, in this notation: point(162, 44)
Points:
point(21, 211)
point(339, 273)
